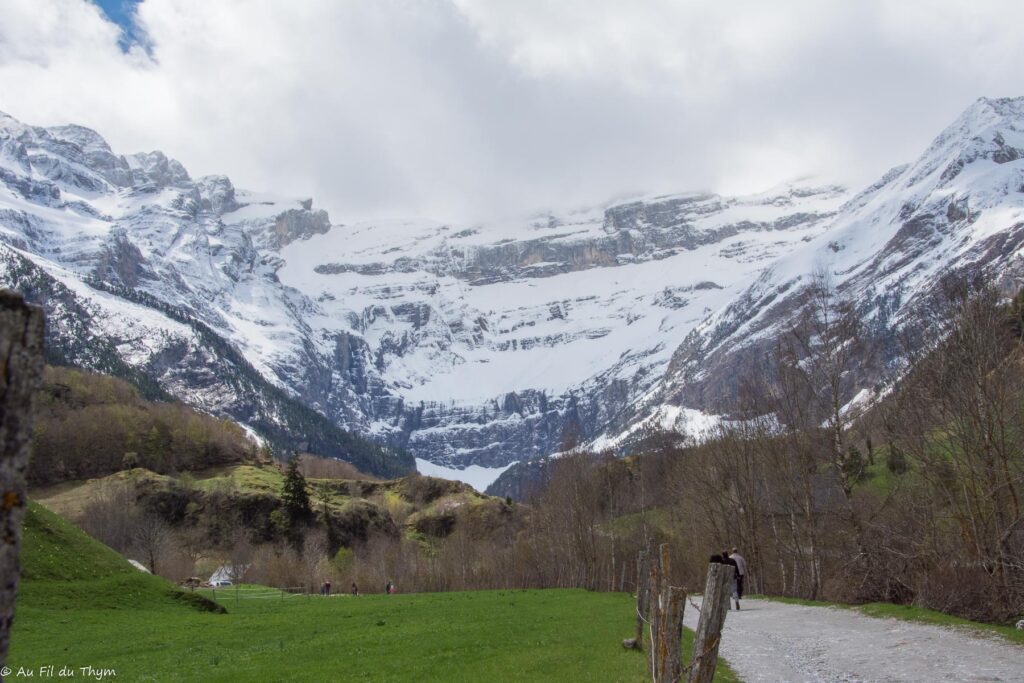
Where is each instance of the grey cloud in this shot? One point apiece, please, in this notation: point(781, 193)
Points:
point(463, 110)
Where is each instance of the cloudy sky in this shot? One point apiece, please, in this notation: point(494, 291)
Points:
point(464, 109)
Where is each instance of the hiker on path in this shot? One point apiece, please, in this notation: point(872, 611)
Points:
point(726, 559)
point(327, 588)
point(355, 588)
point(741, 573)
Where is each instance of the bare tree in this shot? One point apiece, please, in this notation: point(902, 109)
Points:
point(151, 536)
point(192, 544)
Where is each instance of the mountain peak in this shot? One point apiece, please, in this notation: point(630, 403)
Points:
point(86, 139)
point(1003, 106)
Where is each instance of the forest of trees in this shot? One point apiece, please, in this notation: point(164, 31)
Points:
point(90, 425)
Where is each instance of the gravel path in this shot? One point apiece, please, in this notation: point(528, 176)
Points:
point(775, 642)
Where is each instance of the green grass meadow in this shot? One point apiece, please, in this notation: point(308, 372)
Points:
point(82, 605)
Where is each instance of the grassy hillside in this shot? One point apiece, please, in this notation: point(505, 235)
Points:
point(421, 505)
point(215, 509)
point(65, 570)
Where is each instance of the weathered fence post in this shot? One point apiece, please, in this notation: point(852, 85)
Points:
point(643, 601)
point(643, 596)
point(665, 615)
point(714, 607)
point(21, 365)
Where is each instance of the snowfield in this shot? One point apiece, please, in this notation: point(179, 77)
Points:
point(476, 476)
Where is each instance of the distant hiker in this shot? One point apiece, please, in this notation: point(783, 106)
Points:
point(327, 587)
point(726, 559)
point(741, 572)
point(387, 588)
point(355, 588)
point(393, 589)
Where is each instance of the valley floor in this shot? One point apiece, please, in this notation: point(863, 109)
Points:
point(513, 635)
point(772, 641)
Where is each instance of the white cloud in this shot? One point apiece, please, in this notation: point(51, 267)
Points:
point(469, 108)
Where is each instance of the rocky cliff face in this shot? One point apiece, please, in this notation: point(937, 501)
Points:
point(497, 342)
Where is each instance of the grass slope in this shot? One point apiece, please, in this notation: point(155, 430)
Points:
point(423, 506)
point(66, 571)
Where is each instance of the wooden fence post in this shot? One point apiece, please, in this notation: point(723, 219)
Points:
point(21, 366)
point(643, 596)
point(665, 608)
point(714, 607)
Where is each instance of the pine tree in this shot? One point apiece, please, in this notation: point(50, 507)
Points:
point(853, 465)
point(294, 497)
point(896, 461)
point(1017, 314)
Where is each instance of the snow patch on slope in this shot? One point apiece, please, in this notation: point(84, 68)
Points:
point(476, 476)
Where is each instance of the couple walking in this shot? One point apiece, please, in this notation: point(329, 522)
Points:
point(740, 565)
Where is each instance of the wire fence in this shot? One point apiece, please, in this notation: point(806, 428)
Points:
point(237, 593)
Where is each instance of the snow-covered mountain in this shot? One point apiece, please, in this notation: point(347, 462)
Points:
point(142, 278)
point(491, 343)
point(477, 344)
point(959, 207)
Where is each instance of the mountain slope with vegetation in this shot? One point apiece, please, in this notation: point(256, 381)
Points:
point(90, 425)
point(63, 569)
point(195, 365)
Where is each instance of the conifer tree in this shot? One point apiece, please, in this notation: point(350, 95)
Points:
point(294, 497)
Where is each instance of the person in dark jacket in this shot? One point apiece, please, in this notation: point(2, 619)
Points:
point(741, 571)
point(735, 575)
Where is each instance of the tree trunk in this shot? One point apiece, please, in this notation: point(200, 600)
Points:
point(717, 592)
point(21, 365)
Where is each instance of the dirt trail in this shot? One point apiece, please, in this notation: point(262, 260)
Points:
point(774, 642)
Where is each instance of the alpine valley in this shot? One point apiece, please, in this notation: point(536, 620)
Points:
point(472, 347)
